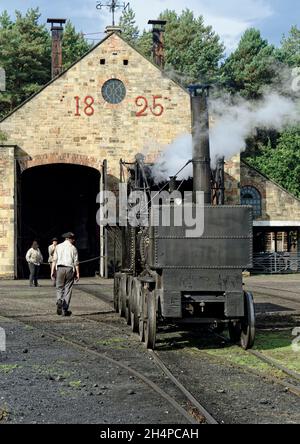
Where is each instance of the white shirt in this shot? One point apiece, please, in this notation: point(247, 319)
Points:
point(34, 256)
point(66, 254)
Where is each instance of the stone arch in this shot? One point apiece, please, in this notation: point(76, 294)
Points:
point(63, 158)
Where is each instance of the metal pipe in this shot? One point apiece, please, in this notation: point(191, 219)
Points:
point(201, 149)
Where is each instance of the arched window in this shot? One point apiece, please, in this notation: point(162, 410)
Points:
point(251, 196)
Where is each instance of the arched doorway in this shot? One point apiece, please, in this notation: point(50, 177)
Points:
point(54, 199)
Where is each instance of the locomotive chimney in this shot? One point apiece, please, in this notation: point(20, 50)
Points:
point(57, 32)
point(158, 48)
point(201, 149)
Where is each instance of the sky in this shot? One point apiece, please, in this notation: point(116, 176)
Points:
point(229, 18)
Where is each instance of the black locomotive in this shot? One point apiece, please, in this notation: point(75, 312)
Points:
point(167, 275)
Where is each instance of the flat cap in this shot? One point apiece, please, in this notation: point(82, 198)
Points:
point(68, 235)
point(55, 239)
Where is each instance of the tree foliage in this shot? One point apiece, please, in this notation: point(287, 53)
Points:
point(74, 45)
point(282, 164)
point(25, 55)
point(250, 67)
point(192, 49)
point(289, 52)
point(128, 25)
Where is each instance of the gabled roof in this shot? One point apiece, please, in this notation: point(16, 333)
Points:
point(269, 180)
point(79, 60)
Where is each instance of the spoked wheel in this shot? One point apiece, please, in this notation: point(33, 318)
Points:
point(141, 314)
point(122, 295)
point(248, 323)
point(128, 300)
point(135, 291)
point(116, 293)
point(151, 322)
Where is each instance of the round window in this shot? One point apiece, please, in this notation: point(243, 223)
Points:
point(114, 91)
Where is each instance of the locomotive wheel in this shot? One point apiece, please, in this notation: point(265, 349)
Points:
point(135, 290)
point(122, 295)
point(116, 293)
point(140, 305)
point(151, 323)
point(128, 300)
point(234, 329)
point(248, 323)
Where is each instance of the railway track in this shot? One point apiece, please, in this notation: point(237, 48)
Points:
point(195, 412)
point(293, 388)
point(264, 291)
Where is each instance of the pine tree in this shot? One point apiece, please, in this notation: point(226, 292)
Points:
point(193, 50)
point(25, 55)
point(251, 67)
point(289, 53)
point(127, 23)
point(74, 45)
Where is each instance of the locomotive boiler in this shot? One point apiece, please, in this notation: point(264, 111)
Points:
point(170, 275)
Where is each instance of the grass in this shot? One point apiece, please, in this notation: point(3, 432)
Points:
point(75, 384)
point(278, 346)
point(53, 371)
point(8, 368)
point(274, 344)
point(4, 413)
point(116, 343)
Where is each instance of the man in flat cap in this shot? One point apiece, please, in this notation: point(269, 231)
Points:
point(51, 250)
point(66, 265)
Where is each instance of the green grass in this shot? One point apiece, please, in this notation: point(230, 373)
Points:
point(116, 343)
point(75, 384)
point(278, 346)
point(274, 344)
point(8, 368)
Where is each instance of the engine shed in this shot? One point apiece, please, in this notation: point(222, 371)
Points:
point(110, 104)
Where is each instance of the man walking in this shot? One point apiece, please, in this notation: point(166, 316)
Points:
point(51, 250)
point(66, 264)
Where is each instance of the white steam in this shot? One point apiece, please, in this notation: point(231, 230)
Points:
point(173, 158)
point(233, 121)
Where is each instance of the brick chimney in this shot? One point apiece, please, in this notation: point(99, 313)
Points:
point(158, 41)
point(57, 32)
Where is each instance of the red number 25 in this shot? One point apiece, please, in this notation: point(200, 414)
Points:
point(156, 109)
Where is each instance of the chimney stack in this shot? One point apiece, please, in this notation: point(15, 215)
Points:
point(158, 41)
point(57, 31)
point(201, 148)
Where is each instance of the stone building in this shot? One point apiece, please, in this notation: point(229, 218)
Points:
point(111, 104)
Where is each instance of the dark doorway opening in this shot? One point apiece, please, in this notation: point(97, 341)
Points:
point(55, 199)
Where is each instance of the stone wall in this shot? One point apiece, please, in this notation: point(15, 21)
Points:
point(52, 129)
point(56, 126)
point(7, 156)
point(232, 181)
point(277, 204)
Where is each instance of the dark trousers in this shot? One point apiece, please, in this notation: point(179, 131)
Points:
point(34, 274)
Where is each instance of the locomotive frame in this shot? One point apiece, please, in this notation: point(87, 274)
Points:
point(168, 276)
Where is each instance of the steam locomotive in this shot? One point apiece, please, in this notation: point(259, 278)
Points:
point(166, 274)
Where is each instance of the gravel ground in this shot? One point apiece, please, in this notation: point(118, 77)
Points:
point(44, 380)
